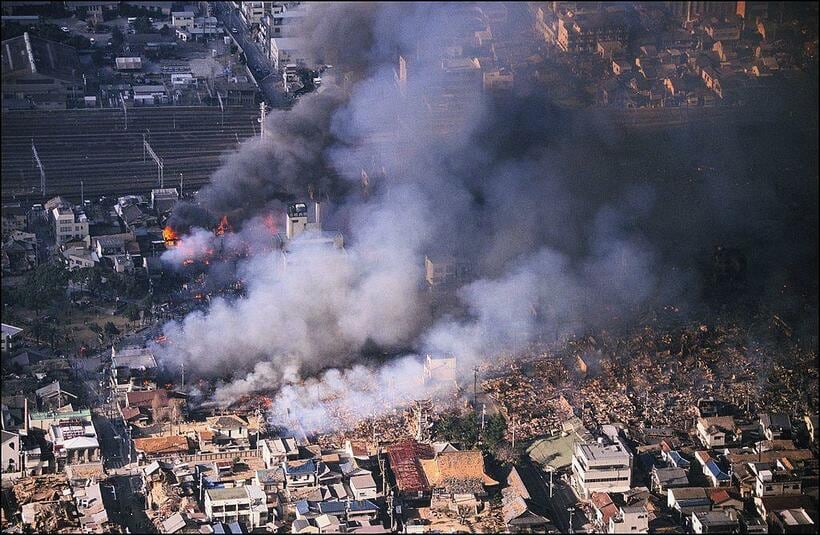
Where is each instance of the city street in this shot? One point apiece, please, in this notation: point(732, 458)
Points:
point(260, 67)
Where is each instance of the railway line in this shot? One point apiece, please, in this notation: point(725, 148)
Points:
point(98, 148)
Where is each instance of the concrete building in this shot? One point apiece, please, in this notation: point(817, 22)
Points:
point(10, 456)
point(440, 369)
point(75, 441)
point(602, 466)
point(582, 32)
point(286, 50)
point(11, 334)
point(182, 20)
point(68, 224)
point(132, 369)
point(275, 451)
point(252, 12)
point(714, 522)
point(246, 504)
point(774, 479)
point(632, 519)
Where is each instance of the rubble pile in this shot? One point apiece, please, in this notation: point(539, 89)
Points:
point(653, 376)
point(46, 504)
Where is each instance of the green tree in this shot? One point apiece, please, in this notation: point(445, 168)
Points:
point(117, 38)
point(132, 312)
point(143, 25)
point(111, 329)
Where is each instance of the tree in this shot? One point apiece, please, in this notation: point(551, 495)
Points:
point(132, 312)
point(143, 25)
point(117, 38)
point(111, 329)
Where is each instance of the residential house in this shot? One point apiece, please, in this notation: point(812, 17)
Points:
point(664, 479)
point(717, 431)
point(774, 479)
point(604, 509)
point(230, 432)
point(52, 396)
point(157, 447)
point(363, 487)
point(246, 504)
point(630, 519)
point(521, 513)
point(688, 500)
point(457, 478)
point(712, 470)
point(775, 426)
point(714, 522)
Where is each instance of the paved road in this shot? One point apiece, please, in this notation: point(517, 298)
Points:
point(563, 499)
point(267, 79)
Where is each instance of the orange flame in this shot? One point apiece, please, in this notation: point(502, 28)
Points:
point(223, 226)
point(170, 235)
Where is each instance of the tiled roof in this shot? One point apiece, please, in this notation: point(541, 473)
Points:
point(159, 445)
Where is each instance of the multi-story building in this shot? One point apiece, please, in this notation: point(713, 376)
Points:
point(252, 12)
point(286, 50)
point(133, 369)
point(603, 466)
point(583, 32)
point(68, 223)
point(75, 441)
point(631, 519)
point(774, 479)
point(246, 504)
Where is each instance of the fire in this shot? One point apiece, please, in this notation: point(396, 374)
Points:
point(170, 235)
point(270, 224)
point(223, 226)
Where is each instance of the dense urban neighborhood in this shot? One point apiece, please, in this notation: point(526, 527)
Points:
point(480, 267)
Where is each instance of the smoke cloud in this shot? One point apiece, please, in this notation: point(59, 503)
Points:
point(568, 223)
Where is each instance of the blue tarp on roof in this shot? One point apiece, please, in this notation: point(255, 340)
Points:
point(308, 467)
point(302, 507)
point(716, 472)
point(677, 460)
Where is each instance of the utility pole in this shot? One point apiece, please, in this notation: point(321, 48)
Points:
point(180, 184)
point(42, 169)
point(513, 434)
point(183, 374)
point(483, 416)
point(475, 387)
point(262, 114)
point(82, 193)
point(125, 111)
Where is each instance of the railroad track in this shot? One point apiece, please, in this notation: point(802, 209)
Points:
point(94, 146)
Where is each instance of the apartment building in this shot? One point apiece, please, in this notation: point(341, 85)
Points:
point(602, 466)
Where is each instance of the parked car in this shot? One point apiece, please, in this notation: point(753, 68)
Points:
point(234, 30)
point(65, 29)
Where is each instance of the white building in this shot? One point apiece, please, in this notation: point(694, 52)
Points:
point(10, 458)
point(714, 522)
point(252, 12)
point(275, 451)
point(363, 487)
point(285, 22)
point(182, 19)
point(10, 336)
point(68, 224)
point(246, 504)
point(75, 441)
point(603, 466)
point(285, 50)
point(439, 369)
point(633, 519)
